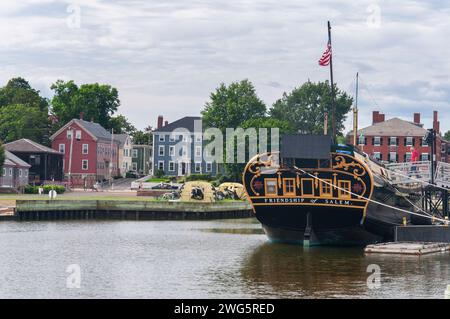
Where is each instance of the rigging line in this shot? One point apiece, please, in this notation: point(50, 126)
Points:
point(368, 91)
point(415, 179)
point(445, 221)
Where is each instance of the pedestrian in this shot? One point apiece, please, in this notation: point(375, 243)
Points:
point(414, 159)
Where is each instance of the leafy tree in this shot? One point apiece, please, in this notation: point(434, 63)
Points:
point(304, 108)
point(98, 102)
point(19, 91)
point(21, 121)
point(2, 156)
point(144, 137)
point(121, 125)
point(447, 136)
point(232, 105)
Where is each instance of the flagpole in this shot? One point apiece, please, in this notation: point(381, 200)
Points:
point(333, 106)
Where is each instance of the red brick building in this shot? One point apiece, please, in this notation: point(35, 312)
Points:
point(391, 140)
point(92, 155)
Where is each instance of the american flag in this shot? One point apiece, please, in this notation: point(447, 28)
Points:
point(326, 56)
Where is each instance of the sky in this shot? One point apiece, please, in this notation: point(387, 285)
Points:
point(166, 56)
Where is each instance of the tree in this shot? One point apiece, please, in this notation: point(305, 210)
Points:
point(21, 121)
point(121, 125)
point(232, 105)
point(144, 137)
point(304, 108)
point(19, 91)
point(447, 136)
point(98, 102)
point(2, 156)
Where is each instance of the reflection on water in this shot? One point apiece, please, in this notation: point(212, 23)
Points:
point(197, 259)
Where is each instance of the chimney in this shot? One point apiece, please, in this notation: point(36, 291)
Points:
point(160, 122)
point(436, 123)
point(166, 122)
point(417, 118)
point(377, 117)
point(81, 115)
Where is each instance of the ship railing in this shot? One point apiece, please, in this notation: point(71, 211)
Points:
point(442, 177)
point(409, 172)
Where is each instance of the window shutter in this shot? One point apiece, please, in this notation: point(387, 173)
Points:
point(373, 140)
point(381, 141)
point(396, 141)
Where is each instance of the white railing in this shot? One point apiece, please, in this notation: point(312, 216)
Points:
point(443, 174)
point(409, 173)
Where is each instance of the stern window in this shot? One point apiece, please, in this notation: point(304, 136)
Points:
point(346, 188)
point(271, 188)
point(325, 187)
point(289, 186)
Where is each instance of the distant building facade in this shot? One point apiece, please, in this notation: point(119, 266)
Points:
point(91, 153)
point(189, 159)
point(46, 163)
point(141, 159)
point(391, 140)
point(15, 172)
point(125, 150)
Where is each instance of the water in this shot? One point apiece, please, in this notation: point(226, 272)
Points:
point(200, 259)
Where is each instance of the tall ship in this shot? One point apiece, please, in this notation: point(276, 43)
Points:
point(314, 192)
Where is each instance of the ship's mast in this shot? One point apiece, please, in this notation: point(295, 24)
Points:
point(355, 113)
point(333, 105)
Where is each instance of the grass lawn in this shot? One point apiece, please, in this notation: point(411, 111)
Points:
point(158, 180)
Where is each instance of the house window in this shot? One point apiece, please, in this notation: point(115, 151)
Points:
point(171, 166)
point(424, 157)
point(392, 157)
point(134, 166)
point(69, 134)
point(271, 187)
point(10, 172)
point(376, 141)
point(78, 135)
point(161, 165)
point(393, 141)
point(4, 171)
point(85, 148)
point(198, 151)
point(407, 157)
point(20, 172)
point(172, 137)
point(62, 148)
point(409, 141)
point(84, 165)
point(198, 137)
point(162, 137)
point(344, 189)
point(198, 167)
point(135, 153)
point(208, 167)
point(171, 150)
point(35, 160)
point(307, 187)
point(377, 156)
point(161, 150)
point(424, 142)
point(26, 173)
point(289, 186)
point(325, 188)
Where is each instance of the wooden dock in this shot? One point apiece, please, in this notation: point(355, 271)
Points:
point(407, 248)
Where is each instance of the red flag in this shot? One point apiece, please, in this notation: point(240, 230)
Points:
point(326, 56)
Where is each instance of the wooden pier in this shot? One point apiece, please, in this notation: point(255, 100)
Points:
point(407, 248)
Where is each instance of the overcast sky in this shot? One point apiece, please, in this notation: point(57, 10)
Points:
point(165, 57)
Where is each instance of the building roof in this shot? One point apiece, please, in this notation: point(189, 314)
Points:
point(13, 160)
point(121, 138)
point(186, 122)
point(393, 127)
point(27, 146)
point(97, 131)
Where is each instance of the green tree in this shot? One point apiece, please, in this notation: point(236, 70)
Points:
point(121, 125)
point(447, 136)
point(21, 121)
point(143, 137)
point(232, 105)
point(19, 91)
point(304, 108)
point(98, 102)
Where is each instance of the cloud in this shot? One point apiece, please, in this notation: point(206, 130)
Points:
point(165, 57)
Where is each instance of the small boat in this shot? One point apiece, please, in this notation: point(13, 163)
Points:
point(317, 193)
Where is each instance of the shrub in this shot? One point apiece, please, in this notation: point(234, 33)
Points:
point(159, 173)
point(29, 189)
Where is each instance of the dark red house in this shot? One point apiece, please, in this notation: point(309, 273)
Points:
point(90, 152)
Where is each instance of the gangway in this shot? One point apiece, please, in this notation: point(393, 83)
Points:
point(443, 175)
point(409, 173)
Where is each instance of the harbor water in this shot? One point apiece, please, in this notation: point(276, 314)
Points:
point(198, 259)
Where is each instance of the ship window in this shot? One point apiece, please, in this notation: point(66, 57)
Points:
point(289, 186)
point(307, 187)
point(271, 187)
point(325, 187)
point(344, 189)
